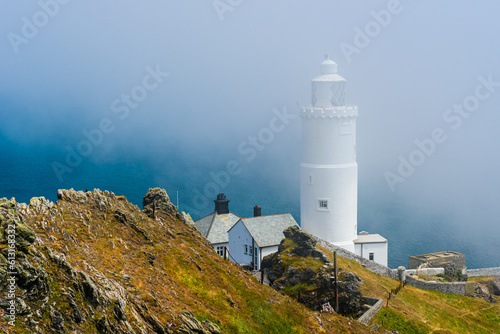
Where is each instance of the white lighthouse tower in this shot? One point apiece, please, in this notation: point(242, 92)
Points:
point(329, 172)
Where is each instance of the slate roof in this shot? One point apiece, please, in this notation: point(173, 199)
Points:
point(268, 230)
point(369, 238)
point(214, 227)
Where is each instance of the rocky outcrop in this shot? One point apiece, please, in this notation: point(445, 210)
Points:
point(190, 325)
point(157, 203)
point(291, 271)
point(488, 289)
point(40, 205)
point(52, 294)
point(92, 262)
point(156, 199)
point(306, 244)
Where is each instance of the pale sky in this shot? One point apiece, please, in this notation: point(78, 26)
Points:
point(230, 63)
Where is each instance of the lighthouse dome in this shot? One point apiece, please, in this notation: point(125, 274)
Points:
point(328, 67)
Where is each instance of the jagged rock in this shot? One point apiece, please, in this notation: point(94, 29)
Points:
point(40, 204)
point(190, 324)
point(157, 327)
point(103, 325)
point(350, 298)
point(125, 219)
point(186, 218)
point(33, 280)
point(483, 292)
point(119, 310)
point(144, 233)
point(122, 217)
point(72, 195)
point(315, 283)
point(57, 320)
point(211, 327)
point(24, 235)
point(76, 314)
point(90, 290)
point(156, 199)
point(306, 245)
point(495, 286)
point(8, 203)
point(60, 260)
point(21, 307)
point(151, 258)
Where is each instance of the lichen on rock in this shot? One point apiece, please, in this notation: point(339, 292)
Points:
point(305, 273)
point(156, 199)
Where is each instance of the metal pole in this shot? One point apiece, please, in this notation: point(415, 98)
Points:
point(336, 282)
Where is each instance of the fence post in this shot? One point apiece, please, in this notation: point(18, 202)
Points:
point(336, 307)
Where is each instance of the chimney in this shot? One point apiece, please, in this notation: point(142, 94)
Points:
point(221, 204)
point(257, 211)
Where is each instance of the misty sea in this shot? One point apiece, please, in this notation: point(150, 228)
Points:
point(26, 171)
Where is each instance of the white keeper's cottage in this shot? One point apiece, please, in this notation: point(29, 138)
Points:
point(251, 239)
point(214, 226)
point(248, 240)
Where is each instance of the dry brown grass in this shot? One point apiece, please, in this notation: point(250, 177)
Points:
point(187, 274)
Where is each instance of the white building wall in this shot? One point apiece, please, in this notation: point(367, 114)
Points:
point(215, 246)
point(268, 250)
point(238, 238)
point(379, 250)
point(329, 171)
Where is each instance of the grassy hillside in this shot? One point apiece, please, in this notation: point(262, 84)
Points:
point(100, 264)
point(94, 263)
point(420, 311)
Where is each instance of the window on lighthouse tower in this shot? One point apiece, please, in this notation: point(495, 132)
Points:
point(323, 204)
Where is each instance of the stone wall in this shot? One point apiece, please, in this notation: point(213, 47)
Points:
point(483, 272)
point(370, 265)
point(425, 271)
point(458, 288)
point(376, 305)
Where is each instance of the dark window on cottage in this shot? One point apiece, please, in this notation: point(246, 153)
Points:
point(371, 257)
point(220, 250)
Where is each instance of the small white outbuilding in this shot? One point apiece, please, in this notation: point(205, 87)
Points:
point(373, 247)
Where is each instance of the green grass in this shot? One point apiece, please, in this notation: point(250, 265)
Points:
point(263, 314)
point(445, 277)
point(395, 321)
point(416, 310)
